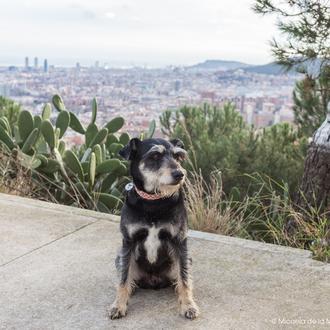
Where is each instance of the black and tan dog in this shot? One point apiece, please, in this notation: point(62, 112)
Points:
point(154, 225)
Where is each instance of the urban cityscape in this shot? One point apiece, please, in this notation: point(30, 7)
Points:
point(140, 94)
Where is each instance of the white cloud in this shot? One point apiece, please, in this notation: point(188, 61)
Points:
point(110, 15)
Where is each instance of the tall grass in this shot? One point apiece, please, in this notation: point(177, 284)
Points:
point(268, 215)
point(210, 211)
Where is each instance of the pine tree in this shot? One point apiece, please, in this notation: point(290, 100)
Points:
point(219, 139)
point(305, 24)
point(311, 97)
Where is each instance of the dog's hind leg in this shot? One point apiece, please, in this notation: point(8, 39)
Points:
point(188, 307)
point(126, 286)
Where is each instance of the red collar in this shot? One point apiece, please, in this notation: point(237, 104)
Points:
point(150, 197)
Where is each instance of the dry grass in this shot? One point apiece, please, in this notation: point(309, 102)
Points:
point(208, 209)
point(14, 178)
point(266, 216)
point(308, 229)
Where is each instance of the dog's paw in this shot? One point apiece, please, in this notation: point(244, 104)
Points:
point(117, 312)
point(190, 312)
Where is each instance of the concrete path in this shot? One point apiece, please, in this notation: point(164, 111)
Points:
point(57, 272)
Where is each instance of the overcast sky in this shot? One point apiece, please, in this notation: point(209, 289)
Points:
point(124, 32)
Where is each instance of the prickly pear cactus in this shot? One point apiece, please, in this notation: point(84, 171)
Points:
point(91, 175)
point(151, 131)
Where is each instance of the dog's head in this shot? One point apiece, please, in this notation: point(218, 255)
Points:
point(156, 164)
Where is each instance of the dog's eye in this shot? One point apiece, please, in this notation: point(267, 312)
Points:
point(155, 155)
point(179, 156)
point(140, 235)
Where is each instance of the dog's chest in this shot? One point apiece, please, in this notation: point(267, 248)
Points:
point(152, 244)
point(150, 238)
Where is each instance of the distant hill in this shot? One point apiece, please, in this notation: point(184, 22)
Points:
point(219, 65)
point(313, 68)
point(270, 68)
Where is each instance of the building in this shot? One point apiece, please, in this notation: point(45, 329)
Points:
point(286, 114)
point(268, 107)
point(4, 90)
point(45, 65)
point(249, 113)
point(36, 65)
point(177, 85)
point(263, 119)
point(277, 117)
point(26, 63)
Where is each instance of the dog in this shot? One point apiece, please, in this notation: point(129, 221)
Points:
point(153, 224)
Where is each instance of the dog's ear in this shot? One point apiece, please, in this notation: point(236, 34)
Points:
point(177, 143)
point(129, 151)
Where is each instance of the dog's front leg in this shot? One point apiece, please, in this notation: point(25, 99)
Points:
point(188, 307)
point(126, 285)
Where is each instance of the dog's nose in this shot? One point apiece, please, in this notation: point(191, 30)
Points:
point(177, 175)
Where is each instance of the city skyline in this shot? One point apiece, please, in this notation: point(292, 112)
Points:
point(124, 33)
point(32, 62)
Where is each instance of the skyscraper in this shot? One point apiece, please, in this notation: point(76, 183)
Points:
point(36, 63)
point(45, 65)
point(26, 62)
point(177, 85)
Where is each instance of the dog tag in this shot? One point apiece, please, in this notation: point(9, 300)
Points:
point(129, 186)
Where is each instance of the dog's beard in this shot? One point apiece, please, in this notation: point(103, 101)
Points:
point(166, 189)
point(161, 181)
point(169, 190)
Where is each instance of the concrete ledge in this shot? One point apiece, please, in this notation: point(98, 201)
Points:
point(57, 272)
point(16, 201)
point(248, 244)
